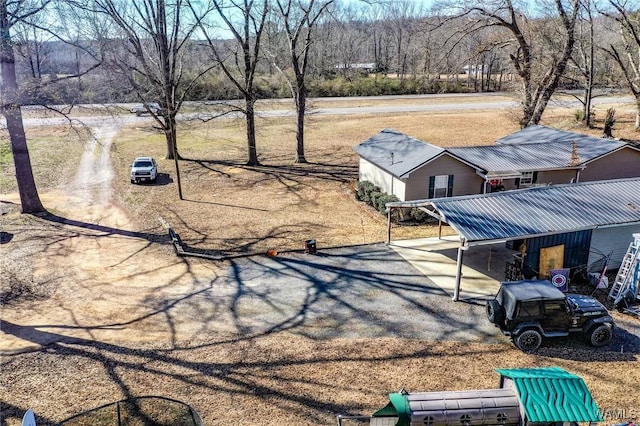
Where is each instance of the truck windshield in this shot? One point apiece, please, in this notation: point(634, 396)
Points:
point(142, 164)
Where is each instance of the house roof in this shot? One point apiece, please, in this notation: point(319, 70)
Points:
point(538, 134)
point(542, 210)
point(534, 148)
point(536, 156)
point(396, 152)
point(552, 394)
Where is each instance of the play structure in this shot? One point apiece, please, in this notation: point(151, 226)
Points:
point(525, 396)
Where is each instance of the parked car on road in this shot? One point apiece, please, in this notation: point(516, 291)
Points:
point(146, 108)
point(529, 310)
point(144, 169)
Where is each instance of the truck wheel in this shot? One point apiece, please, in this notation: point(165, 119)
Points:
point(528, 340)
point(600, 335)
point(494, 311)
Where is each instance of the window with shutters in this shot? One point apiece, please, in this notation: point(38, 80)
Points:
point(440, 186)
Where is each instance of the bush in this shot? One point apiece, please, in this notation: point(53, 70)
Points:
point(383, 199)
point(373, 198)
point(365, 188)
point(419, 215)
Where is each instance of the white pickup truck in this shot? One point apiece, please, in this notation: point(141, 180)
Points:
point(144, 169)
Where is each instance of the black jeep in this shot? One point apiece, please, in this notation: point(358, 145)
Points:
point(528, 310)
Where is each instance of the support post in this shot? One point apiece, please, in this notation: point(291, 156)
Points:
point(388, 225)
point(439, 229)
point(456, 291)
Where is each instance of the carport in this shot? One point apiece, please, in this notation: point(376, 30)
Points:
point(529, 213)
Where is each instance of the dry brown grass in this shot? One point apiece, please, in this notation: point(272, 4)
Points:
point(229, 207)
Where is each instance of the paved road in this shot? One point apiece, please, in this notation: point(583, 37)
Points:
point(459, 102)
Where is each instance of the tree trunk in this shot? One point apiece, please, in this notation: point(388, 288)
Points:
point(29, 198)
point(251, 132)
point(301, 102)
point(171, 137)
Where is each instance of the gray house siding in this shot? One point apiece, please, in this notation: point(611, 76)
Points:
point(612, 240)
point(624, 163)
point(465, 180)
point(556, 176)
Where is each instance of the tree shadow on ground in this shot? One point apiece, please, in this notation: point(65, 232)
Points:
point(104, 230)
point(199, 373)
point(287, 171)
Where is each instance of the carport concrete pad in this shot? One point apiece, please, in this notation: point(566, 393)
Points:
point(437, 259)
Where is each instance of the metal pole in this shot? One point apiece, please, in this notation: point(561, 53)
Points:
point(456, 291)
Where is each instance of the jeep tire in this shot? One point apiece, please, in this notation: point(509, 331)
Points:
point(528, 340)
point(600, 335)
point(494, 312)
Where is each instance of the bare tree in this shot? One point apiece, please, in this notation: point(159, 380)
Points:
point(32, 45)
point(627, 53)
point(540, 67)
point(157, 38)
point(10, 102)
point(299, 19)
point(238, 59)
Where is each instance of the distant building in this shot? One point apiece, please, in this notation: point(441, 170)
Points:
point(369, 66)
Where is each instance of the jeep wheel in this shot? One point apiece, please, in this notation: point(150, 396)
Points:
point(494, 311)
point(528, 340)
point(600, 335)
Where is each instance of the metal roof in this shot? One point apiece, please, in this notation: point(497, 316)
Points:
point(537, 134)
point(552, 394)
point(542, 210)
point(396, 152)
point(537, 156)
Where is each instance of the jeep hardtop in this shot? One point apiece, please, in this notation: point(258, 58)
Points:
point(529, 310)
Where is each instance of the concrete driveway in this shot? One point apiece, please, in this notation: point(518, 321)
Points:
point(482, 271)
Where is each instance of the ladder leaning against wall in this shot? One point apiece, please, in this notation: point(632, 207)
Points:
point(627, 274)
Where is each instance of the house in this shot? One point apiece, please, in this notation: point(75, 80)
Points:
point(535, 156)
point(411, 169)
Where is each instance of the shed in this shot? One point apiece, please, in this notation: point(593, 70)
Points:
point(525, 396)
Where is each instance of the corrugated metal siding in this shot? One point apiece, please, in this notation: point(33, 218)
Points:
point(611, 240)
point(576, 249)
point(543, 211)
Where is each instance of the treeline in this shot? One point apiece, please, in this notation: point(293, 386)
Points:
point(96, 89)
